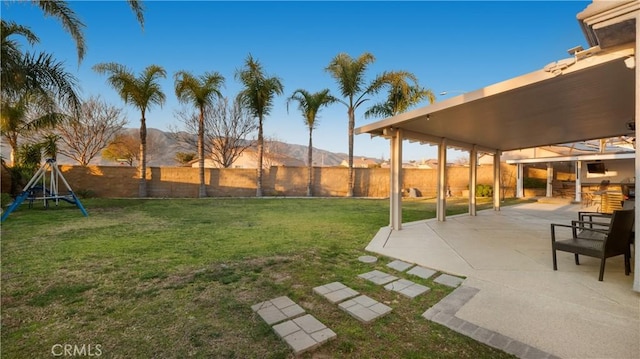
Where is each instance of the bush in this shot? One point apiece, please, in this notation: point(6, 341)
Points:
point(484, 190)
point(85, 193)
point(5, 200)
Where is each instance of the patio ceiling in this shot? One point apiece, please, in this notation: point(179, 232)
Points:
point(586, 97)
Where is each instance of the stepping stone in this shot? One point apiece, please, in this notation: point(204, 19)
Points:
point(367, 259)
point(364, 309)
point(399, 265)
point(335, 292)
point(277, 309)
point(422, 272)
point(448, 280)
point(304, 333)
point(378, 277)
point(407, 288)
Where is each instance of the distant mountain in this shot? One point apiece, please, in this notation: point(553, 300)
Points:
point(163, 146)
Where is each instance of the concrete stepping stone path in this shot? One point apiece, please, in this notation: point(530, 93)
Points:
point(335, 292)
point(407, 288)
point(364, 308)
point(304, 333)
point(449, 280)
point(399, 265)
point(422, 272)
point(278, 309)
point(378, 277)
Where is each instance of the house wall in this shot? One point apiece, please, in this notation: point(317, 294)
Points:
point(178, 182)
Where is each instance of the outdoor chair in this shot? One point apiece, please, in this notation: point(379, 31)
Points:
point(597, 239)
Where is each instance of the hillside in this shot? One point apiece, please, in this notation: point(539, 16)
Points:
point(162, 148)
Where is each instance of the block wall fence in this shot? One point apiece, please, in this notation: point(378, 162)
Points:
point(182, 182)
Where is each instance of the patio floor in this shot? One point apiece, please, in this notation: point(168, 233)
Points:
point(506, 254)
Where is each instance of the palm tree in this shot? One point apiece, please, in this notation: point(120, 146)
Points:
point(349, 73)
point(143, 92)
point(310, 104)
point(33, 87)
point(257, 95)
point(72, 23)
point(200, 92)
point(404, 92)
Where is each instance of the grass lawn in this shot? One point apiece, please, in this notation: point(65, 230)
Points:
point(176, 278)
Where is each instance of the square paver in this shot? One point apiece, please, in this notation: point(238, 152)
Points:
point(364, 308)
point(335, 292)
point(407, 288)
point(449, 280)
point(421, 272)
point(378, 277)
point(278, 309)
point(304, 333)
point(399, 265)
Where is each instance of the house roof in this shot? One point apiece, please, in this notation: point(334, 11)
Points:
point(531, 110)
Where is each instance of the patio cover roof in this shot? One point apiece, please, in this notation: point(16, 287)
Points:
point(586, 97)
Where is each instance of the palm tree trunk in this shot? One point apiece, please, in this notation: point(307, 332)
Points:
point(142, 187)
point(202, 191)
point(310, 164)
point(260, 154)
point(352, 122)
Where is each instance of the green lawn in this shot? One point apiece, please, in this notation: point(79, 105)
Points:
point(175, 278)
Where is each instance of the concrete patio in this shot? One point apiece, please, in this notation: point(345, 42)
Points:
point(506, 255)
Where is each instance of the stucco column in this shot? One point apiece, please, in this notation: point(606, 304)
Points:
point(549, 179)
point(578, 169)
point(496, 181)
point(441, 203)
point(473, 179)
point(519, 180)
point(395, 195)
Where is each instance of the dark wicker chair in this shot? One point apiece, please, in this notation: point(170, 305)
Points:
point(597, 239)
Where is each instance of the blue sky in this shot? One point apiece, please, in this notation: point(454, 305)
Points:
point(450, 46)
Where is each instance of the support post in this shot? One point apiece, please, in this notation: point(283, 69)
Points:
point(578, 169)
point(636, 271)
point(496, 181)
point(441, 203)
point(549, 179)
point(473, 179)
point(520, 180)
point(395, 195)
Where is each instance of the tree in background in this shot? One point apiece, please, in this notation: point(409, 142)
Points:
point(350, 76)
point(143, 92)
point(309, 105)
point(199, 92)
point(404, 92)
point(91, 131)
point(227, 130)
point(185, 157)
point(257, 95)
point(123, 148)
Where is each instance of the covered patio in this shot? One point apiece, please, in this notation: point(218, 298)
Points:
point(506, 255)
point(592, 94)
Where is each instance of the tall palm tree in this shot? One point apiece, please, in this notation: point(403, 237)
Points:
point(142, 92)
point(71, 22)
point(350, 75)
point(33, 87)
point(404, 92)
point(310, 104)
point(257, 95)
point(200, 92)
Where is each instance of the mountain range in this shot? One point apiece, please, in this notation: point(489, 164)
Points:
point(162, 148)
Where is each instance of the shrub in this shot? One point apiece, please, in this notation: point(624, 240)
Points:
point(85, 193)
point(484, 190)
point(5, 200)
